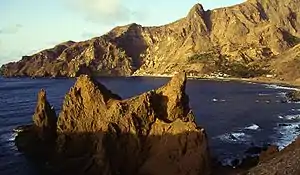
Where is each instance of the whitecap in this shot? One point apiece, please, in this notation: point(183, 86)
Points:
point(234, 137)
point(239, 135)
point(281, 95)
point(218, 100)
point(274, 86)
point(286, 134)
point(229, 161)
point(215, 100)
point(296, 110)
point(292, 117)
point(262, 94)
point(12, 137)
point(253, 127)
point(8, 140)
point(280, 117)
point(9, 137)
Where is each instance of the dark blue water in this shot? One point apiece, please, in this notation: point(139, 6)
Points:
point(234, 114)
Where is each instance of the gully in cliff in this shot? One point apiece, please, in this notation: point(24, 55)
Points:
point(97, 132)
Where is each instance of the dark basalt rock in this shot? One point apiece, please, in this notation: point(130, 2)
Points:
point(293, 96)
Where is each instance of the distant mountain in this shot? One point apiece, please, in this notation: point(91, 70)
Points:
point(250, 39)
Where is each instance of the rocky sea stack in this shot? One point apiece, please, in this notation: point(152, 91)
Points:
point(99, 133)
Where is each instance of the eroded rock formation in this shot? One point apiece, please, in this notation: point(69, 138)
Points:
point(44, 118)
point(153, 133)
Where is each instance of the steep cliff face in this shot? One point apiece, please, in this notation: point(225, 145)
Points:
point(286, 66)
point(99, 133)
point(203, 42)
point(244, 33)
point(154, 133)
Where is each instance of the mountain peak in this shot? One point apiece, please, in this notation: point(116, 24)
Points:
point(196, 9)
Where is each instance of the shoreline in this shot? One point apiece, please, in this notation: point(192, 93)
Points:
point(261, 80)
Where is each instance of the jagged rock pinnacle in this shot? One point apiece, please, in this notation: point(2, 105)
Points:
point(197, 9)
point(44, 117)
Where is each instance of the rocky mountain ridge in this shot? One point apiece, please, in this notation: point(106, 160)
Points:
point(245, 40)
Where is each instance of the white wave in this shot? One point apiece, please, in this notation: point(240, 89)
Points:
point(8, 140)
point(9, 137)
point(215, 100)
point(262, 94)
point(274, 86)
point(296, 110)
point(287, 134)
point(281, 95)
point(229, 161)
point(234, 137)
point(218, 100)
point(12, 137)
point(253, 127)
point(292, 117)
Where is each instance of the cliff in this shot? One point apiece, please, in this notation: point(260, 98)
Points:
point(242, 41)
point(99, 133)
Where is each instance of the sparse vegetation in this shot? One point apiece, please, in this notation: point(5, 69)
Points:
point(2, 70)
point(243, 70)
point(201, 58)
point(213, 63)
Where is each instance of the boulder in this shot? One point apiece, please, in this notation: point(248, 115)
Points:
point(293, 96)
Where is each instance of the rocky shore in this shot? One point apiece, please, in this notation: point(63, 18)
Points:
point(97, 132)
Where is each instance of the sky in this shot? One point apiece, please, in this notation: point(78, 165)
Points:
point(28, 26)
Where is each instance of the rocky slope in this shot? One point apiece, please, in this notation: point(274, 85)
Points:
point(286, 66)
point(285, 162)
point(98, 133)
point(239, 40)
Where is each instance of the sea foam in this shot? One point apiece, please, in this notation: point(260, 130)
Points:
point(273, 86)
point(253, 127)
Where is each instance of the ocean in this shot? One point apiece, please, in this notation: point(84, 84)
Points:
point(235, 115)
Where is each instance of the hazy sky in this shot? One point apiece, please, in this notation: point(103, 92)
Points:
point(27, 26)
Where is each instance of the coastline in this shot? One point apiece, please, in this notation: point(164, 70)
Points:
point(261, 80)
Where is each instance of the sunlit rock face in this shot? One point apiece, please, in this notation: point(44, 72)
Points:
point(236, 40)
point(99, 133)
